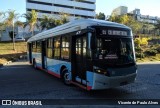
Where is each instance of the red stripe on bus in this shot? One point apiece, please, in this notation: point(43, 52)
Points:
point(39, 67)
point(81, 86)
point(57, 75)
point(89, 87)
point(50, 72)
point(54, 74)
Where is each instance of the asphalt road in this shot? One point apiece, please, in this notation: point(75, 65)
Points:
point(20, 81)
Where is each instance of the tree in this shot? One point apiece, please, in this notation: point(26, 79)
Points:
point(31, 20)
point(47, 22)
point(127, 20)
point(157, 26)
point(2, 15)
point(11, 17)
point(115, 18)
point(64, 17)
point(100, 16)
point(2, 25)
point(19, 23)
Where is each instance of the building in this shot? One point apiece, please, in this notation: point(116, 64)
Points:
point(144, 18)
point(75, 8)
point(121, 10)
point(19, 31)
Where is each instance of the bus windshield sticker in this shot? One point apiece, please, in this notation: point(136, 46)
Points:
point(111, 56)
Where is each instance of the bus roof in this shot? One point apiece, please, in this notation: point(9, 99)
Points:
point(74, 26)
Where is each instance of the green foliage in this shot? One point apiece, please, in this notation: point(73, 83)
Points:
point(137, 42)
point(140, 55)
point(127, 20)
point(19, 23)
point(158, 49)
point(100, 16)
point(11, 16)
point(64, 18)
point(157, 26)
point(31, 18)
point(141, 41)
point(47, 22)
point(138, 49)
point(2, 26)
point(2, 15)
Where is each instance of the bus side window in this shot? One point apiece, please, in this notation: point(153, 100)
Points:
point(39, 46)
point(49, 48)
point(34, 49)
point(65, 48)
point(56, 48)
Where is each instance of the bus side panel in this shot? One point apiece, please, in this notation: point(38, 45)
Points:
point(37, 57)
point(54, 66)
point(89, 80)
point(28, 58)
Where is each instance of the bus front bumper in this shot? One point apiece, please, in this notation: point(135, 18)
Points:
point(105, 82)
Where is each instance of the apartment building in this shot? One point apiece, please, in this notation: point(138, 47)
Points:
point(121, 10)
point(144, 18)
point(74, 8)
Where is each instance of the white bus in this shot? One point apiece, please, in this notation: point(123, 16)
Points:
point(89, 53)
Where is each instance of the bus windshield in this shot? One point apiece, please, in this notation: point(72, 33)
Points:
point(115, 51)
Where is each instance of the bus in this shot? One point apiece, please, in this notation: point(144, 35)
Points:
point(92, 54)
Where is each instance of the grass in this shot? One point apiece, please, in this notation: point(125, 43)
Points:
point(7, 53)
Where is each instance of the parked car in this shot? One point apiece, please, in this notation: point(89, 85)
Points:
point(19, 39)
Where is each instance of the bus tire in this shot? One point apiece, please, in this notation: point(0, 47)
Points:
point(66, 79)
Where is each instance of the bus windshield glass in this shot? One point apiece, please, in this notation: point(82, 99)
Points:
point(114, 50)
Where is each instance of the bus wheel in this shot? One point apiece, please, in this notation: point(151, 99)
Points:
point(66, 78)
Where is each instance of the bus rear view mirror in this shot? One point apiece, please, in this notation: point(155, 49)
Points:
point(92, 40)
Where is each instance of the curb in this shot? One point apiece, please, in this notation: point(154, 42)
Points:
point(20, 57)
point(1, 65)
point(158, 62)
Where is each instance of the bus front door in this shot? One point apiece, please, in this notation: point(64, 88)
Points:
point(79, 62)
point(43, 52)
point(30, 52)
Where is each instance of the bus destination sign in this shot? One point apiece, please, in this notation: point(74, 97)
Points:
point(114, 32)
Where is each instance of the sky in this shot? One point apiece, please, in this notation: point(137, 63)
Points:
point(147, 7)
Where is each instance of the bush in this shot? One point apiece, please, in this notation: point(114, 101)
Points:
point(138, 49)
point(140, 55)
point(144, 41)
point(151, 52)
point(158, 49)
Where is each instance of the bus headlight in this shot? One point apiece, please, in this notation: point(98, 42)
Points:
point(101, 71)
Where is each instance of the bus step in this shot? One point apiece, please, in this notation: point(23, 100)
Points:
point(80, 85)
point(81, 81)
